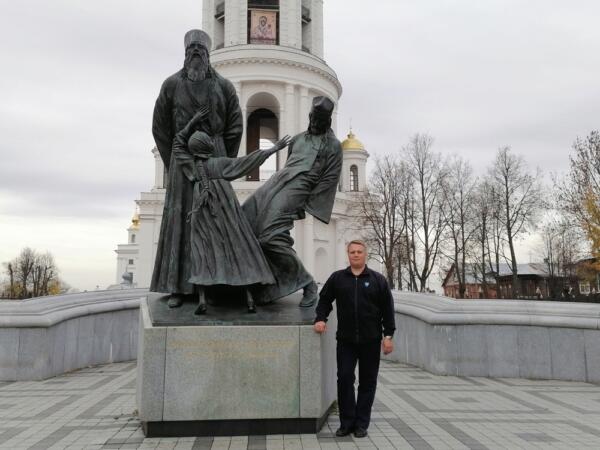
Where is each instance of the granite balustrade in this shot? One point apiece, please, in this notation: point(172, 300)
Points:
point(48, 336)
point(498, 338)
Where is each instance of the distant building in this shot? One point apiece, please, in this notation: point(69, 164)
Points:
point(588, 276)
point(530, 276)
point(535, 281)
point(474, 287)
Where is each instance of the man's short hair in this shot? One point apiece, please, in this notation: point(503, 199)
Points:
point(356, 242)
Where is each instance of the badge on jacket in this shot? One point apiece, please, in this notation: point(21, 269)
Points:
point(367, 284)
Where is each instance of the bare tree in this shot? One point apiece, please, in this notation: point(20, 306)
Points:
point(496, 235)
point(583, 177)
point(11, 289)
point(25, 263)
point(520, 197)
point(31, 274)
point(579, 192)
point(560, 250)
point(407, 242)
point(483, 216)
point(44, 271)
point(459, 216)
point(379, 211)
point(425, 219)
point(488, 235)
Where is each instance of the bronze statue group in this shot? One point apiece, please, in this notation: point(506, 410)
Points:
point(207, 238)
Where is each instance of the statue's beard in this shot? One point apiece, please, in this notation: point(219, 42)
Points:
point(196, 65)
point(319, 125)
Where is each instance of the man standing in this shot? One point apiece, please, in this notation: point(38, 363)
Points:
point(196, 91)
point(365, 312)
point(307, 183)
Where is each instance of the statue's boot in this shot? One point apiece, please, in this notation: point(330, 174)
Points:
point(310, 296)
point(175, 301)
point(250, 302)
point(201, 309)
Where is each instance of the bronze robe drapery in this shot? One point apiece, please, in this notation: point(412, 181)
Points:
point(308, 182)
point(224, 249)
point(179, 99)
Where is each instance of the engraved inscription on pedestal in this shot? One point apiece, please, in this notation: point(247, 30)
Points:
point(257, 365)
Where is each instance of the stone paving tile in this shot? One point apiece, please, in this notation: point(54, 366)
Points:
point(95, 408)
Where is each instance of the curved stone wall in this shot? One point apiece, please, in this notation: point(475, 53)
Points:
point(47, 336)
point(498, 338)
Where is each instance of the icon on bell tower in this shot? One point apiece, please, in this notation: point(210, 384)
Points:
point(288, 23)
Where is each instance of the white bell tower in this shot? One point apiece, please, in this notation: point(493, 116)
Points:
point(272, 51)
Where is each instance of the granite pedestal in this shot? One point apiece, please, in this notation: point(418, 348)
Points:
point(233, 373)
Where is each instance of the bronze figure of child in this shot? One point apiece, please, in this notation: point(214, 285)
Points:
point(224, 249)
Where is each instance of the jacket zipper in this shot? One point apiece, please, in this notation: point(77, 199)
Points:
point(356, 306)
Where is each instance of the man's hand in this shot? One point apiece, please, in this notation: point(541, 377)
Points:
point(320, 327)
point(387, 346)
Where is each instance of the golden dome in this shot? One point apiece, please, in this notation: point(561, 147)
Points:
point(351, 143)
point(135, 221)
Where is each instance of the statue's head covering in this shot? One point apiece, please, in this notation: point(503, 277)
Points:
point(322, 106)
point(201, 145)
point(197, 36)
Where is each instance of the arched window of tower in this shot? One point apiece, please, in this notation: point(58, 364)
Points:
point(261, 133)
point(306, 27)
point(353, 178)
point(263, 22)
point(219, 25)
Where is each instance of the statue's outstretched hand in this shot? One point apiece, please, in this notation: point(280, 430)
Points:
point(280, 144)
point(201, 114)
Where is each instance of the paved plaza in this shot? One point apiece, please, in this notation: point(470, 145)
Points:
point(95, 409)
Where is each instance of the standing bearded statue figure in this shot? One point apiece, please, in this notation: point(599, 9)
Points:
point(196, 87)
point(307, 183)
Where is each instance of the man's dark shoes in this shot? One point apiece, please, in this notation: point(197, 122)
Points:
point(341, 432)
point(360, 433)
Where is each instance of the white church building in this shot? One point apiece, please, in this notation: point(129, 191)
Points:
point(272, 52)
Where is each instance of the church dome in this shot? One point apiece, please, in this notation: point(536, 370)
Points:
point(351, 143)
point(135, 221)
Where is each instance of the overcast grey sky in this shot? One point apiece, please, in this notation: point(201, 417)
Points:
point(79, 80)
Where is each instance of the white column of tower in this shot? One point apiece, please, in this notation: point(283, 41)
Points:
point(159, 170)
point(238, 90)
point(308, 257)
point(304, 108)
point(288, 120)
point(316, 14)
point(243, 21)
point(208, 13)
point(334, 118)
point(341, 259)
point(290, 21)
point(243, 150)
point(295, 24)
point(232, 23)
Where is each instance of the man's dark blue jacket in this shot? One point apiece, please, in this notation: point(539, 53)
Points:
point(365, 306)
